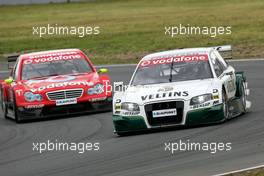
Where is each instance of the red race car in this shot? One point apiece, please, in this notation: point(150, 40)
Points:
point(53, 83)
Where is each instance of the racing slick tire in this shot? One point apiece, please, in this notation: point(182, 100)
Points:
point(16, 114)
point(225, 105)
point(243, 98)
point(3, 105)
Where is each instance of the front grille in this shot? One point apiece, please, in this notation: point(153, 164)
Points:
point(64, 94)
point(166, 120)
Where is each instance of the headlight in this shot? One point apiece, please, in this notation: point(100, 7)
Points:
point(38, 97)
point(30, 97)
point(201, 99)
point(97, 89)
point(130, 106)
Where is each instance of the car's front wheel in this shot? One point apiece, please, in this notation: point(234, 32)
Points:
point(16, 114)
point(243, 98)
point(225, 105)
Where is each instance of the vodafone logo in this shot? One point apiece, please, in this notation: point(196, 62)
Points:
point(62, 84)
point(29, 61)
point(51, 59)
point(169, 60)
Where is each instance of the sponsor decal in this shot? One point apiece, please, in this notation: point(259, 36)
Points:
point(164, 113)
point(165, 95)
point(216, 102)
point(53, 54)
point(129, 113)
point(19, 92)
point(216, 96)
point(165, 89)
point(168, 60)
point(118, 105)
point(118, 101)
point(215, 90)
point(40, 60)
point(66, 101)
point(97, 99)
point(34, 106)
point(203, 105)
point(63, 84)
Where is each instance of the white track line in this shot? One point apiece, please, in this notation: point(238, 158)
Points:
point(128, 65)
point(240, 170)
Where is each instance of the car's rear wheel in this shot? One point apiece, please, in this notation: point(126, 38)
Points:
point(225, 105)
point(3, 105)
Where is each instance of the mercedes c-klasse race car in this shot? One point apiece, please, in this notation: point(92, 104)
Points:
point(54, 83)
point(180, 87)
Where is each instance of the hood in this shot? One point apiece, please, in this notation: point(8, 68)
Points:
point(178, 90)
point(54, 83)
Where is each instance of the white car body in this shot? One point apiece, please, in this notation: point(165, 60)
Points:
point(150, 95)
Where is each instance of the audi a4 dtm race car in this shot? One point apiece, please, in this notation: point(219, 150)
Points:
point(180, 87)
point(52, 83)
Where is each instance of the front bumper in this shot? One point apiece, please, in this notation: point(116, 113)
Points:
point(131, 123)
point(55, 111)
point(193, 117)
point(205, 115)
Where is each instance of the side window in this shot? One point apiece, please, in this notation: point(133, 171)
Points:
point(221, 60)
point(14, 71)
point(218, 66)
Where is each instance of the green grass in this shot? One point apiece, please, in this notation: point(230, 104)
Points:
point(132, 28)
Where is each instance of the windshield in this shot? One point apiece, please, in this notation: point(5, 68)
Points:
point(54, 68)
point(172, 69)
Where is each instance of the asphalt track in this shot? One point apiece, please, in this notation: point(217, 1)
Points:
point(141, 154)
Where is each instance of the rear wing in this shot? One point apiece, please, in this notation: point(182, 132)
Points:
point(225, 51)
point(12, 60)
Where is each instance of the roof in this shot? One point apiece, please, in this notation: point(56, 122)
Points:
point(177, 52)
point(44, 54)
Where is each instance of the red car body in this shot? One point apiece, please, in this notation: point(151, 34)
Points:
point(34, 92)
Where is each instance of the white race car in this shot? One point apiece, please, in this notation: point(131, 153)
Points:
point(180, 87)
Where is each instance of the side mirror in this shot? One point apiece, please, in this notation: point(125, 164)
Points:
point(229, 73)
point(9, 81)
point(102, 70)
